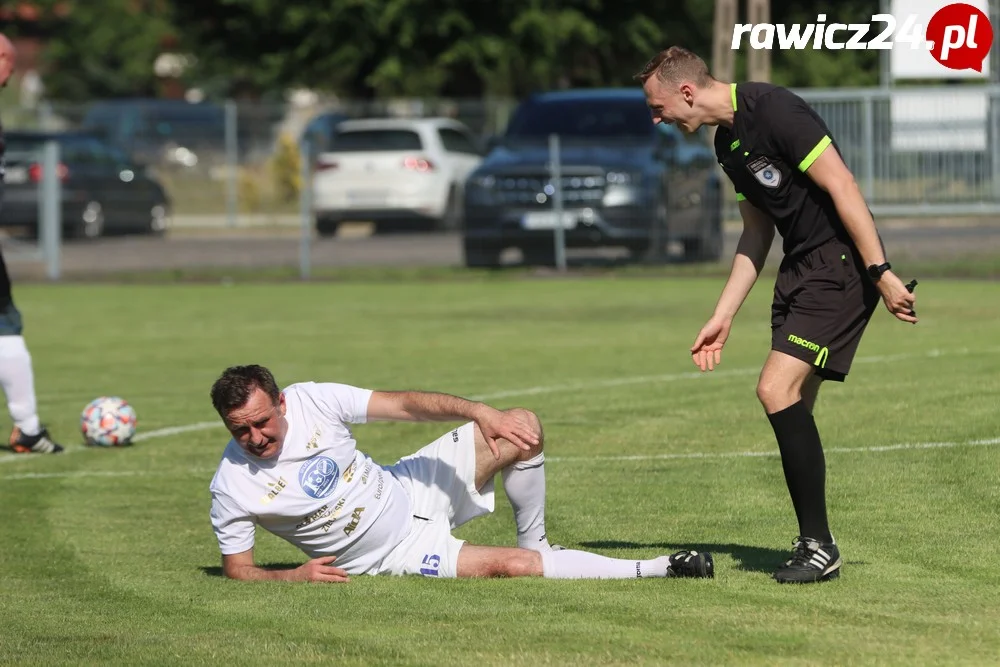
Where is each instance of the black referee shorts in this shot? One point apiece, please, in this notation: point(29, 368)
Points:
point(822, 303)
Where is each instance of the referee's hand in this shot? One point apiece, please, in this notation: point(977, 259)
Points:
point(899, 300)
point(706, 353)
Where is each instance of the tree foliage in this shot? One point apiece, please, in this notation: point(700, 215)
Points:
point(387, 48)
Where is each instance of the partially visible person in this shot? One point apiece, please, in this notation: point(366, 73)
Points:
point(16, 375)
point(293, 468)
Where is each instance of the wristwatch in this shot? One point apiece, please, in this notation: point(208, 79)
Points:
point(875, 271)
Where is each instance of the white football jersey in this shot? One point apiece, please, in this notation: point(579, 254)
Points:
point(320, 493)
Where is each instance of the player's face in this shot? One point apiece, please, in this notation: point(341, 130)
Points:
point(671, 104)
point(259, 426)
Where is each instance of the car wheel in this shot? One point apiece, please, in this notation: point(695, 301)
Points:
point(481, 254)
point(452, 218)
point(326, 226)
point(539, 255)
point(654, 249)
point(158, 219)
point(708, 247)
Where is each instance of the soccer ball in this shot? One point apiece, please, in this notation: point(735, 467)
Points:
point(108, 421)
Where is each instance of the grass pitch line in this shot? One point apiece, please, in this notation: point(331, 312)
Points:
point(139, 437)
point(988, 442)
point(724, 373)
point(556, 388)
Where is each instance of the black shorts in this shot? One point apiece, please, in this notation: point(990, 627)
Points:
point(823, 301)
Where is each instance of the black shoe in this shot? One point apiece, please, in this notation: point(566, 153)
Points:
point(691, 564)
point(33, 444)
point(811, 561)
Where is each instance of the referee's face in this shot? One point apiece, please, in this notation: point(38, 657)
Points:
point(668, 104)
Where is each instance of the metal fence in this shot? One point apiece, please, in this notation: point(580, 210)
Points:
point(235, 166)
point(919, 151)
point(914, 151)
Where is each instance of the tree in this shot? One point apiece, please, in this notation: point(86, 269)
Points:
point(104, 48)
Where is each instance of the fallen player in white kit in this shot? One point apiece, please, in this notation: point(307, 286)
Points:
point(293, 467)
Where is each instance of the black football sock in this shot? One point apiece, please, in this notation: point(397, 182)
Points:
point(805, 468)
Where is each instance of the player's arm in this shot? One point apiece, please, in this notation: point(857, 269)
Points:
point(433, 406)
point(241, 566)
point(418, 406)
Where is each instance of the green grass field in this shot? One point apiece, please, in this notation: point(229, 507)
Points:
point(108, 556)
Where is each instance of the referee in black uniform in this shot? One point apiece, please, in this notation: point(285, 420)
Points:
point(789, 175)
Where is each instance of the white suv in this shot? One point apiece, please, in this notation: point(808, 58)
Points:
point(392, 171)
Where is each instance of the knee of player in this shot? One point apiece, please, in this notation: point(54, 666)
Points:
point(523, 563)
point(532, 420)
point(771, 392)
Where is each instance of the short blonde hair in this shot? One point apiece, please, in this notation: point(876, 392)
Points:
point(675, 65)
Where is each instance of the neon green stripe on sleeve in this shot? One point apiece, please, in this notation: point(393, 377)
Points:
point(815, 153)
point(740, 197)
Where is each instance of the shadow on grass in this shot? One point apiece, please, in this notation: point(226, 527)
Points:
point(748, 558)
point(216, 571)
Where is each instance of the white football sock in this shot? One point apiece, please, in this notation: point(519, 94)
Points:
point(18, 382)
point(524, 484)
point(570, 564)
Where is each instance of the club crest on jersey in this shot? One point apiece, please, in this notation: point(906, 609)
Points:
point(765, 172)
point(318, 476)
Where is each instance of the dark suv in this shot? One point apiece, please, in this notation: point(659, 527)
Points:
point(625, 182)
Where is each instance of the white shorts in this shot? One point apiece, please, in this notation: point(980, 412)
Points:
point(440, 480)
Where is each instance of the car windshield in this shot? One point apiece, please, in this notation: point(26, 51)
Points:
point(366, 141)
point(627, 119)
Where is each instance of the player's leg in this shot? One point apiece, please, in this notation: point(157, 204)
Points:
point(523, 474)
point(18, 381)
point(481, 561)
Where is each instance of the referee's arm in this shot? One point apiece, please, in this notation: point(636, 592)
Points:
point(829, 172)
point(751, 251)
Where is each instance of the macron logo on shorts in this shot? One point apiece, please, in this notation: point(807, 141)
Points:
point(821, 352)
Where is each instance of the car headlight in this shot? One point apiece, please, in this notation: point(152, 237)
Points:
point(621, 178)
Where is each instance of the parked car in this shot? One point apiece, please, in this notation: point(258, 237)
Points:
point(319, 131)
point(164, 132)
point(625, 182)
point(394, 171)
point(102, 190)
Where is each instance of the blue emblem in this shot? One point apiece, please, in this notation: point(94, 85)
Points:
point(318, 476)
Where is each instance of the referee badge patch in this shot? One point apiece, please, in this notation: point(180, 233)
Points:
point(765, 172)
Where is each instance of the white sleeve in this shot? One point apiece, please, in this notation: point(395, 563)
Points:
point(233, 527)
point(343, 402)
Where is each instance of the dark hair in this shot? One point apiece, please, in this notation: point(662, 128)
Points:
point(233, 388)
point(674, 65)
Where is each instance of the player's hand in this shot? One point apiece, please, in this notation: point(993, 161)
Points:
point(897, 298)
point(498, 424)
point(320, 570)
point(707, 349)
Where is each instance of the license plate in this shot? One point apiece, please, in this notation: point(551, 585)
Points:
point(16, 175)
point(549, 220)
point(367, 197)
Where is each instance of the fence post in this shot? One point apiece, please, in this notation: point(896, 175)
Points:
point(232, 163)
point(305, 208)
point(994, 130)
point(869, 148)
point(50, 209)
point(555, 168)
